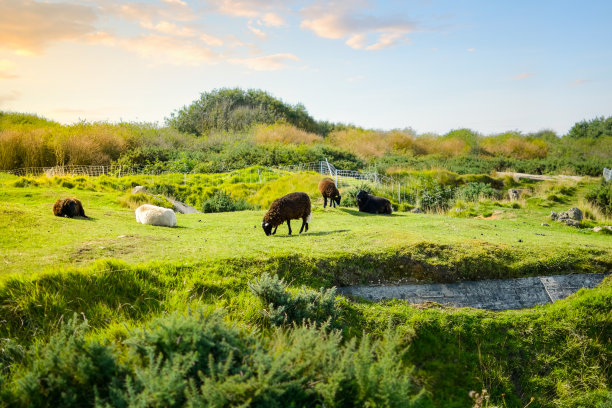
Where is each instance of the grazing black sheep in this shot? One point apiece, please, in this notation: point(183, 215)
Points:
point(328, 189)
point(373, 204)
point(290, 207)
point(69, 208)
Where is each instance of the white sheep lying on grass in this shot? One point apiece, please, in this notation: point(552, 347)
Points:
point(154, 215)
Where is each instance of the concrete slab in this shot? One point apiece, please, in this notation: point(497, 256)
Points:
point(489, 294)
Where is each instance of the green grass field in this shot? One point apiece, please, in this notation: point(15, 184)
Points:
point(120, 276)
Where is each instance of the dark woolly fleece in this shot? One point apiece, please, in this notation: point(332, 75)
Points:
point(68, 207)
point(373, 204)
point(290, 207)
point(328, 189)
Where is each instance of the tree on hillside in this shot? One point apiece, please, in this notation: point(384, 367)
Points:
point(235, 109)
point(594, 128)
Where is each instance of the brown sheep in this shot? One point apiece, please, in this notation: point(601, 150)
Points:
point(328, 189)
point(290, 207)
point(69, 208)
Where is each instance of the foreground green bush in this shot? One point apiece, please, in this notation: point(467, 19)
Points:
point(198, 360)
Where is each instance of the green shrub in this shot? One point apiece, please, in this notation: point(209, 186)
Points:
point(220, 201)
point(437, 198)
point(68, 371)
point(601, 196)
point(284, 308)
point(198, 360)
point(475, 191)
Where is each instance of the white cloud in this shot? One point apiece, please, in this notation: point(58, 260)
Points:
point(27, 27)
point(267, 63)
point(161, 49)
point(264, 9)
point(345, 20)
point(166, 27)
point(579, 82)
point(471, 49)
point(257, 32)
point(272, 20)
point(211, 40)
point(524, 75)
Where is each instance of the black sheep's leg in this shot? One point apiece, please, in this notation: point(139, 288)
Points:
point(289, 226)
point(324, 202)
point(275, 230)
point(303, 224)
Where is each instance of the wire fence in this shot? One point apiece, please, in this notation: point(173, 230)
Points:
point(256, 174)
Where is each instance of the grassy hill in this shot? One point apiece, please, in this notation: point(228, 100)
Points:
point(144, 301)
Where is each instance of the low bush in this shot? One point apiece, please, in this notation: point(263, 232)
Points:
point(220, 201)
point(436, 199)
point(304, 306)
point(601, 197)
point(476, 191)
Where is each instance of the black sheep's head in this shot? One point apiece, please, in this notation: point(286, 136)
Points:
point(362, 196)
point(267, 227)
point(337, 199)
point(70, 208)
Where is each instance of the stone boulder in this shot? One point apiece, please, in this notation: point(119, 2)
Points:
point(571, 217)
point(139, 189)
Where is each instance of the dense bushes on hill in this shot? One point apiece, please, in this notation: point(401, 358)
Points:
point(235, 109)
point(594, 128)
point(252, 128)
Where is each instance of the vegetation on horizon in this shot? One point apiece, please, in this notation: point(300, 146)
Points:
point(233, 128)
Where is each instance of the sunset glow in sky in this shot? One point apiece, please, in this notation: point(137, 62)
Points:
point(431, 65)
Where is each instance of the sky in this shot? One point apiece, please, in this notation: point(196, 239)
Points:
point(431, 65)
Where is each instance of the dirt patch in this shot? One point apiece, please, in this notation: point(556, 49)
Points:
point(115, 248)
point(497, 214)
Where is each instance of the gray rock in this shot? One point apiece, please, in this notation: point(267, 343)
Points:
point(597, 229)
point(139, 189)
point(545, 224)
point(416, 211)
point(182, 208)
point(571, 223)
point(574, 214)
point(571, 217)
point(514, 194)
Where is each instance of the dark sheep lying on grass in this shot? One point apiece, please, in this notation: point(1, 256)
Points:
point(69, 208)
point(373, 204)
point(293, 206)
point(328, 189)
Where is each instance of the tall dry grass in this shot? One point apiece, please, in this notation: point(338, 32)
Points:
point(447, 146)
point(516, 146)
point(284, 134)
point(369, 144)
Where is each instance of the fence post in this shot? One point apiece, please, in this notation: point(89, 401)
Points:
point(399, 195)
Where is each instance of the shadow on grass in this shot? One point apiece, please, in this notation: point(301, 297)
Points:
point(364, 214)
point(316, 234)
